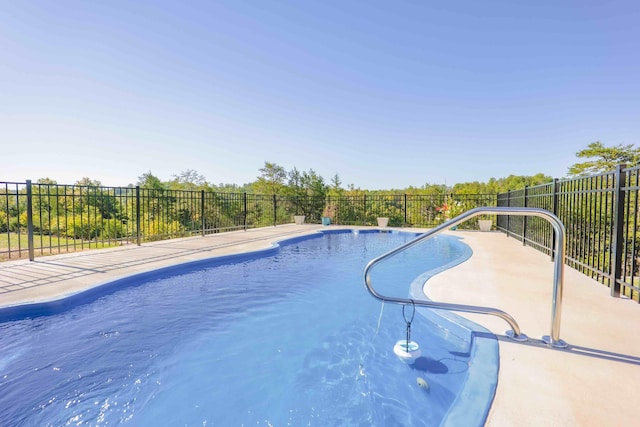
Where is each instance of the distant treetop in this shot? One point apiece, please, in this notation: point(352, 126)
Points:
point(604, 159)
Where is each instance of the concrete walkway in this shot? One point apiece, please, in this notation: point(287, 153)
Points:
point(592, 383)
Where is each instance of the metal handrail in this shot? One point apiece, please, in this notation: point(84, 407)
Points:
point(558, 275)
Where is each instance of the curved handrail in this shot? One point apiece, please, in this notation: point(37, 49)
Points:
point(558, 276)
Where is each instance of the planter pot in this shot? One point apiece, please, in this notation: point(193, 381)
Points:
point(326, 220)
point(298, 219)
point(485, 224)
point(383, 221)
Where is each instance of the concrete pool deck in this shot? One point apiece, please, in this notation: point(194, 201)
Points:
point(589, 383)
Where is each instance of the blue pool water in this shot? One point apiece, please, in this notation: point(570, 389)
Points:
point(287, 336)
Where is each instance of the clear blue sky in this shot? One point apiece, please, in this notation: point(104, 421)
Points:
point(386, 94)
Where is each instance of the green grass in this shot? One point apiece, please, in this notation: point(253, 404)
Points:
point(45, 245)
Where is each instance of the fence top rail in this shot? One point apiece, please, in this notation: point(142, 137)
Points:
point(564, 181)
point(81, 187)
point(584, 177)
point(212, 190)
point(631, 169)
point(12, 183)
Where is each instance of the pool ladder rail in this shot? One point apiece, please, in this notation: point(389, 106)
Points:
point(515, 333)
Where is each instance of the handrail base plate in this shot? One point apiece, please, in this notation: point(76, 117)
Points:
point(558, 344)
point(519, 338)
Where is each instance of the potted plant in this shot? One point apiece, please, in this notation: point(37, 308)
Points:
point(383, 221)
point(299, 219)
point(327, 214)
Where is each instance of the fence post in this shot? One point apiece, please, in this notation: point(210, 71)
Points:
point(202, 212)
point(618, 230)
point(32, 251)
point(508, 217)
point(245, 212)
point(275, 211)
point(138, 215)
point(498, 217)
point(364, 220)
point(405, 210)
point(524, 218)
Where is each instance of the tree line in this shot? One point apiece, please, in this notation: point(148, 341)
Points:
point(274, 179)
point(89, 198)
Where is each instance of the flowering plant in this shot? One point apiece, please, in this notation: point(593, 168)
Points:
point(330, 211)
point(450, 208)
point(444, 210)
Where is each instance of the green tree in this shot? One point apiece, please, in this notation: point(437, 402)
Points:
point(428, 189)
point(188, 180)
point(501, 185)
point(604, 159)
point(335, 188)
point(233, 188)
point(309, 190)
point(149, 180)
point(271, 180)
point(306, 184)
point(47, 181)
point(88, 182)
point(93, 196)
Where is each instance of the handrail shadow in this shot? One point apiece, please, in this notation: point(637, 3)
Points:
point(577, 350)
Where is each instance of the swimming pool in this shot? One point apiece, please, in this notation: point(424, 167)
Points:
point(287, 336)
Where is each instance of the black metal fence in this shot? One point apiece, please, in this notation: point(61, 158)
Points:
point(43, 219)
point(600, 213)
point(408, 210)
